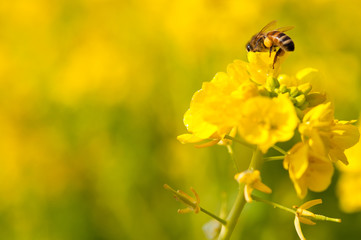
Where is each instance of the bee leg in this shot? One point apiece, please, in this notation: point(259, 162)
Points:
point(270, 51)
point(279, 53)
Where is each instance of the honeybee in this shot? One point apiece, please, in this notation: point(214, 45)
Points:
point(272, 40)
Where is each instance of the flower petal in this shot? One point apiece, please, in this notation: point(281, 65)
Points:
point(262, 187)
point(247, 193)
point(268, 121)
point(298, 228)
point(345, 135)
point(311, 203)
point(297, 159)
point(188, 138)
point(306, 221)
point(320, 174)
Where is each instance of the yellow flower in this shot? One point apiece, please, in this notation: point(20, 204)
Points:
point(307, 170)
point(252, 180)
point(266, 121)
point(302, 214)
point(215, 108)
point(327, 136)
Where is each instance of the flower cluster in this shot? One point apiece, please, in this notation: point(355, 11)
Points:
point(324, 141)
point(263, 107)
point(254, 105)
point(240, 99)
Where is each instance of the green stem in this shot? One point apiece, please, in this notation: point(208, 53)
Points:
point(275, 147)
point(257, 160)
point(274, 158)
point(232, 219)
point(324, 218)
point(230, 150)
point(233, 216)
point(239, 141)
point(276, 205)
point(184, 198)
point(224, 222)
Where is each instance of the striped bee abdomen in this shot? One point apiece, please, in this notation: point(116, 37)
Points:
point(281, 40)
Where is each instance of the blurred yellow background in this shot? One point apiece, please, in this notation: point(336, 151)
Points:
point(92, 97)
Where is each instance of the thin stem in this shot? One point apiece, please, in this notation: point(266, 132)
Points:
point(277, 148)
point(324, 218)
point(230, 150)
point(232, 219)
point(257, 160)
point(239, 141)
point(224, 222)
point(274, 158)
point(187, 200)
point(233, 216)
point(276, 205)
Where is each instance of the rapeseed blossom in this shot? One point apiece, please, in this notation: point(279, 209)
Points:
point(264, 108)
point(307, 170)
point(325, 135)
point(252, 180)
point(253, 104)
point(215, 108)
point(324, 140)
point(236, 100)
point(302, 215)
point(266, 121)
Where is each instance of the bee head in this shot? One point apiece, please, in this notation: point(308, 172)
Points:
point(248, 47)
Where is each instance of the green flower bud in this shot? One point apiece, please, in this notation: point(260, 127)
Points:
point(304, 105)
point(283, 88)
point(300, 100)
point(294, 91)
point(272, 83)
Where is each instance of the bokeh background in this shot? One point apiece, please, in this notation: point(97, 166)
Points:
point(92, 95)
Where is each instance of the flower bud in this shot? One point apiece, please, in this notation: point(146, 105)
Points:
point(305, 88)
point(300, 100)
point(284, 79)
point(272, 83)
point(283, 88)
point(294, 91)
point(304, 106)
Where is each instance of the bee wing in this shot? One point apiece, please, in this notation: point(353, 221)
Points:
point(269, 26)
point(284, 29)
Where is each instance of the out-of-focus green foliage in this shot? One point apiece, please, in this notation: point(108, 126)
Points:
point(92, 95)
